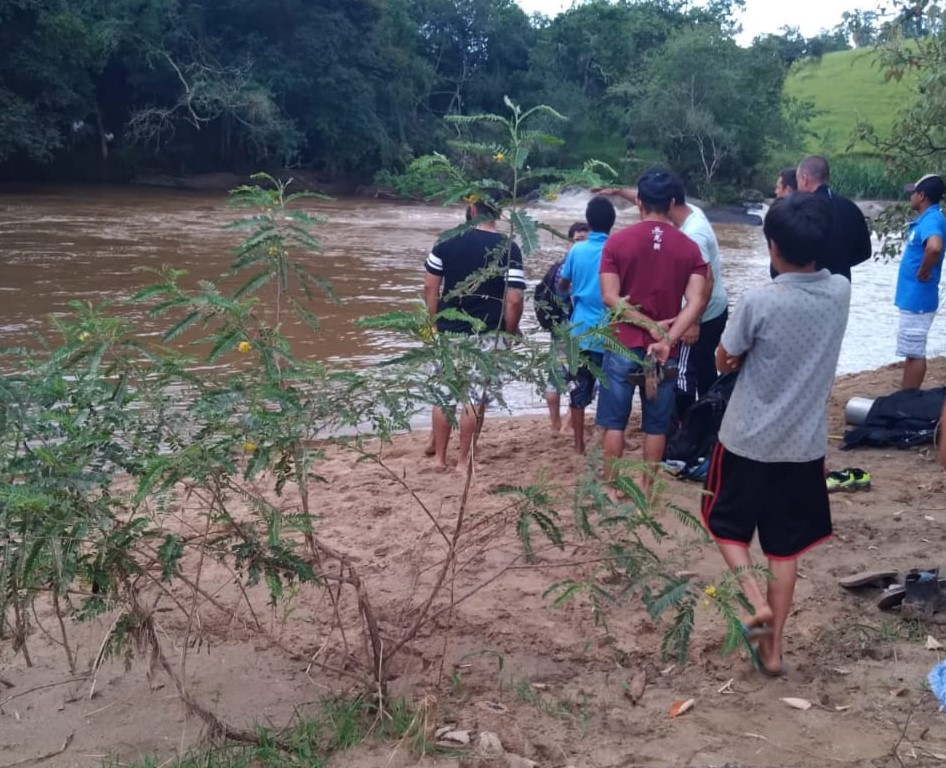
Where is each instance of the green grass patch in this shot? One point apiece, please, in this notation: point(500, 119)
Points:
point(846, 87)
point(339, 724)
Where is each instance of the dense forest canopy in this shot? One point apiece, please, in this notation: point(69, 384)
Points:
point(114, 88)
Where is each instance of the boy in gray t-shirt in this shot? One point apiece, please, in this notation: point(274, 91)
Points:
point(767, 471)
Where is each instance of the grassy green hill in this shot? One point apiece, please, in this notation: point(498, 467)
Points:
point(846, 87)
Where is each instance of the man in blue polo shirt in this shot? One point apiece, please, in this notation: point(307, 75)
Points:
point(580, 278)
point(921, 264)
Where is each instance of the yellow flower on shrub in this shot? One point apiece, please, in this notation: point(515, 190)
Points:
point(499, 157)
point(249, 446)
point(244, 347)
point(427, 332)
point(710, 590)
point(85, 336)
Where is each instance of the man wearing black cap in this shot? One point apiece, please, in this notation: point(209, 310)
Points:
point(849, 242)
point(917, 295)
point(647, 270)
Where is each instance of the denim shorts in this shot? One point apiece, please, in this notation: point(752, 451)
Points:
point(614, 402)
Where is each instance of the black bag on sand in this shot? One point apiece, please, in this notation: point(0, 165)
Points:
point(906, 418)
point(692, 439)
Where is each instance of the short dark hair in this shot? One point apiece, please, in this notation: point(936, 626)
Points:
point(789, 178)
point(600, 214)
point(679, 189)
point(578, 226)
point(932, 187)
point(817, 167)
point(655, 190)
point(482, 208)
point(799, 225)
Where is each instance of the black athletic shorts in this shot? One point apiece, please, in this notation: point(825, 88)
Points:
point(581, 386)
point(786, 501)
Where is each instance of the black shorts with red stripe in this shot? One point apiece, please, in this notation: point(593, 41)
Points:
point(787, 502)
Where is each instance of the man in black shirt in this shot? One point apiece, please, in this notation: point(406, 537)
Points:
point(849, 243)
point(479, 272)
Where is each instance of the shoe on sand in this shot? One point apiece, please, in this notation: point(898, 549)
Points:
point(922, 594)
point(850, 479)
point(893, 595)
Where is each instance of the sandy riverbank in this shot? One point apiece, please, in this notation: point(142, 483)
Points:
point(562, 682)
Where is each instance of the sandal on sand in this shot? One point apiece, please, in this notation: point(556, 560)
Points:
point(758, 665)
point(879, 578)
point(754, 633)
point(780, 672)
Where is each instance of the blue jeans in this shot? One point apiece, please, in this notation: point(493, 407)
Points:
point(614, 402)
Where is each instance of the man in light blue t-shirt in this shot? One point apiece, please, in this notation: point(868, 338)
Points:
point(921, 264)
point(580, 278)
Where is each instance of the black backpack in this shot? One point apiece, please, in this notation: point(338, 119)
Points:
point(691, 440)
point(550, 310)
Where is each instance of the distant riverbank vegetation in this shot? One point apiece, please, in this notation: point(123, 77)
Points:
point(354, 91)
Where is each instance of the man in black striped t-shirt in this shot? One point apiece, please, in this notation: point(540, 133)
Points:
point(487, 269)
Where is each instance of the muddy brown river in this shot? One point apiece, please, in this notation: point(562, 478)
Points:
point(94, 243)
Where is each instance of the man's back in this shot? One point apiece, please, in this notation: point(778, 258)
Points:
point(459, 260)
point(654, 262)
point(697, 227)
point(582, 266)
point(790, 331)
point(849, 241)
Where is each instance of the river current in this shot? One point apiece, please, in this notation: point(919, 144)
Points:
point(94, 243)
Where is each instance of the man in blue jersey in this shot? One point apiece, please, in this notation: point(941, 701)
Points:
point(580, 278)
point(921, 265)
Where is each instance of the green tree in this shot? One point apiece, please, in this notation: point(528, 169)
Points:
point(860, 27)
point(919, 132)
point(476, 48)
point(708, 106)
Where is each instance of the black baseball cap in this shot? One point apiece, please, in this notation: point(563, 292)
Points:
point(930, 185)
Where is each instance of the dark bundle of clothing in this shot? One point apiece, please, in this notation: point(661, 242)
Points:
point(691, 440)
point(905, 418)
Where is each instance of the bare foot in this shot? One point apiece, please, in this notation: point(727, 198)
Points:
point(557, 424)
point(429, 449)
point(615, 495)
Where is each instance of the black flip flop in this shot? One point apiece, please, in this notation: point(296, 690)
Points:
point(775, 673)
point(868, 579)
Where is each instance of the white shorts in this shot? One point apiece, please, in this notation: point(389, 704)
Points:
point(914, 328)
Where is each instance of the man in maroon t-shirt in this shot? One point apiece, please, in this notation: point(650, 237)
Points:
point(648, 268)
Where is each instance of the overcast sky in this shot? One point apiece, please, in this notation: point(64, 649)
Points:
point(760, 16)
